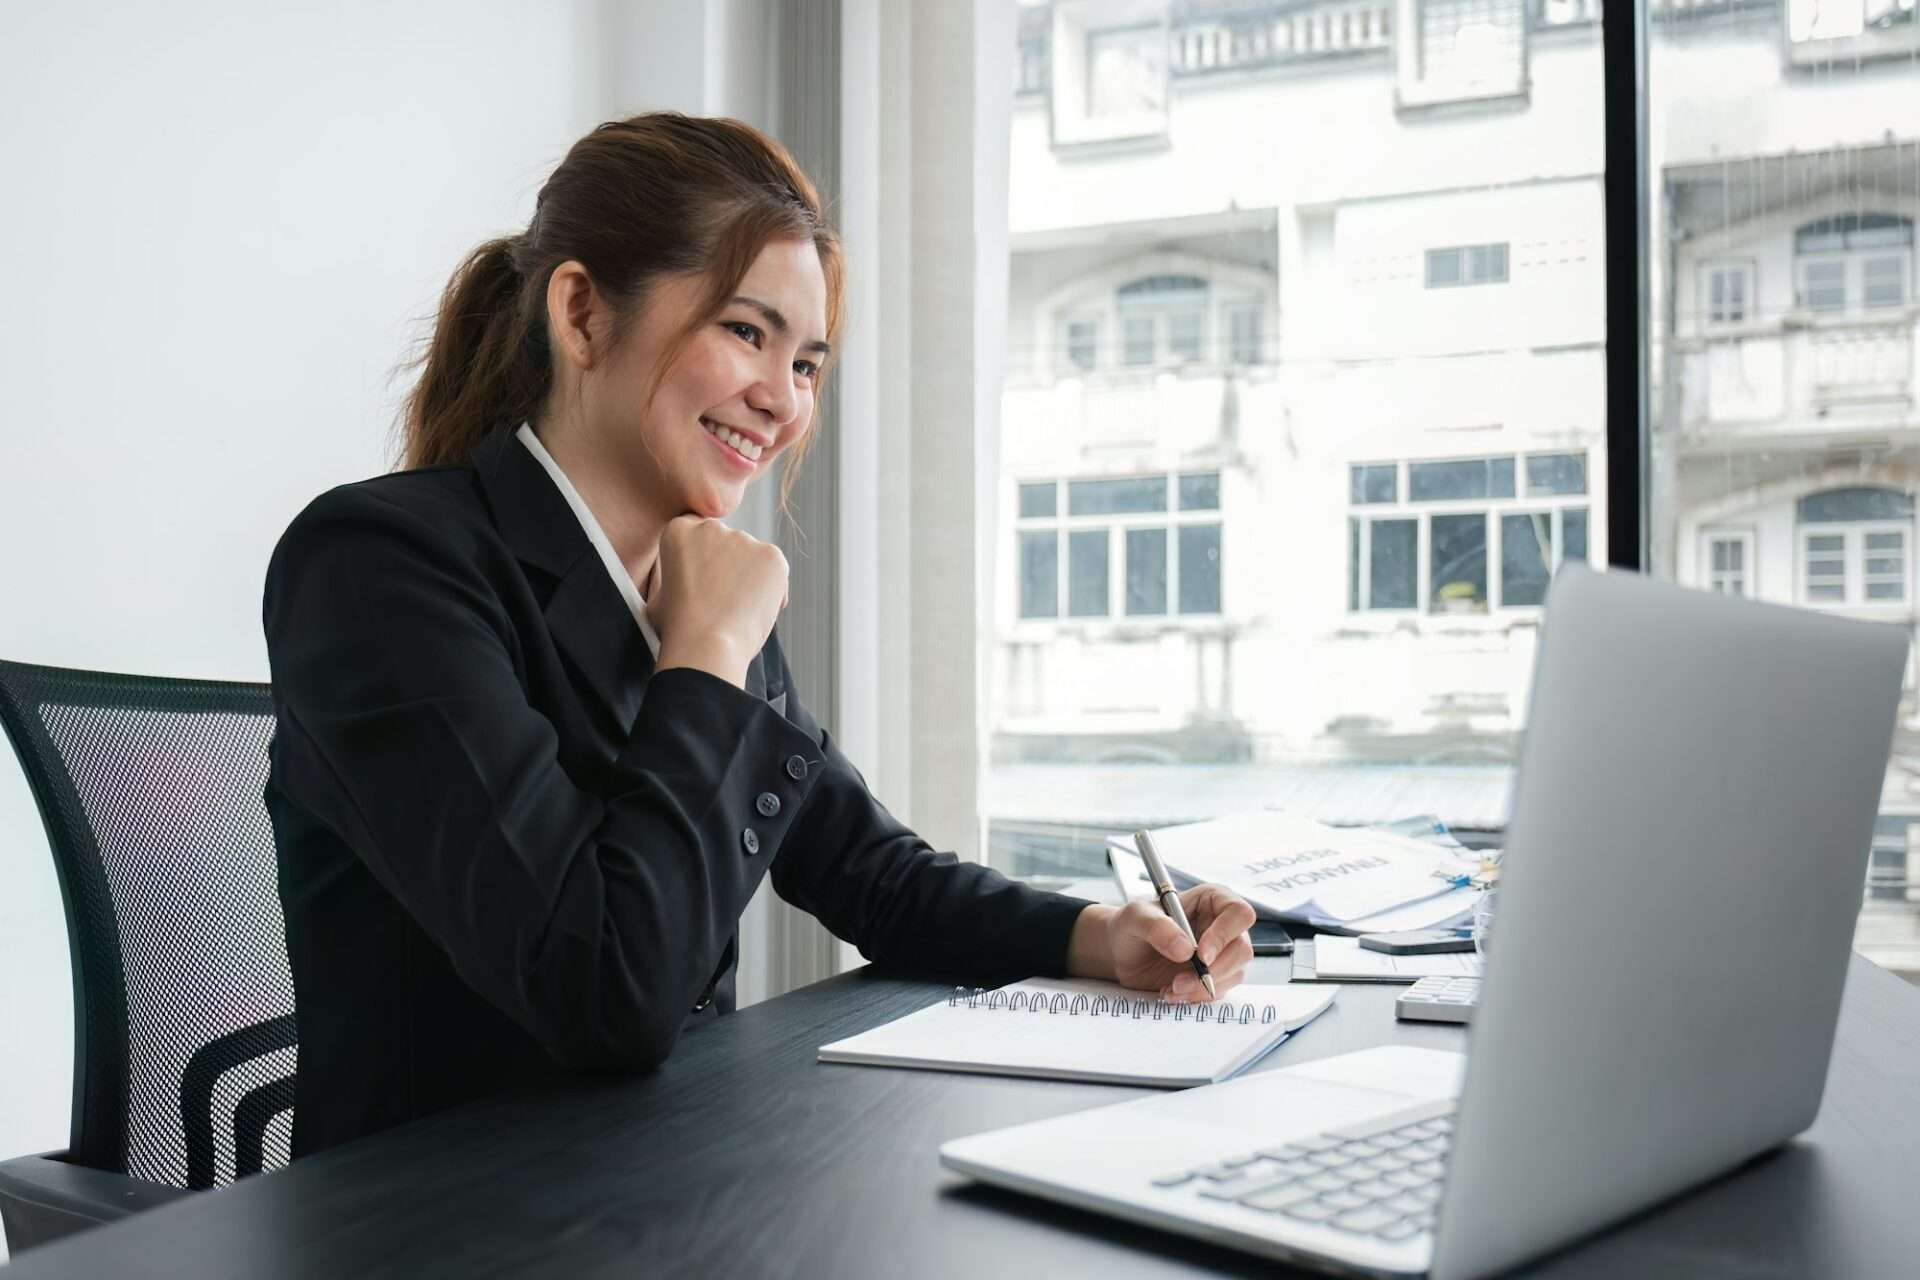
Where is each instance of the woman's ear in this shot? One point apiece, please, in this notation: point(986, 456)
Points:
point(571, 303)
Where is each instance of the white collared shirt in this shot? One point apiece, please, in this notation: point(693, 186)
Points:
point(595, 534)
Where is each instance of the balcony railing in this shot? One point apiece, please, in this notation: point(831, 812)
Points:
point(1206, 38)
point(1827, 375)
point(1281, 35)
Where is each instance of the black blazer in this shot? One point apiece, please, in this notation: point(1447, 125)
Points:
point(507, 849)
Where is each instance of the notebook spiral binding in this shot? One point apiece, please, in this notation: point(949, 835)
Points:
point(1020, 1000)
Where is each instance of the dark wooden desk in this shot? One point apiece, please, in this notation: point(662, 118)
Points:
point(746, 1157)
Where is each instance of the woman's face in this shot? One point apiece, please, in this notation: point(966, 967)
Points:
point(740, 392)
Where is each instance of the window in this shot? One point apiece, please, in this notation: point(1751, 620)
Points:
point(1082, 343)
point(1136, 547)
point(1728, 289)
point(1244, 343)
point(1464, 50)
point(1463, 542)
point(1822, 33)
point(1375, 483)
point(1854, 547)
point(1355, 502)
point(1466, 264)
point(1107, 82)
point(1126, 71)
point(1169, 308)
point(1729, 562)
point(1855, 261)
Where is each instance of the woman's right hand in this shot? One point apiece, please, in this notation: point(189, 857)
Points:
point(717, 592)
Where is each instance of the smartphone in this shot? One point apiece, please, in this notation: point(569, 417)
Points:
point(1417, 942)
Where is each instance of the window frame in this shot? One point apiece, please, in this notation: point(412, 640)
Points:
point(1467, 257)
point(1853, 549)
point(1748, 269)
point(1357, 583)
point(1745, 537)
point(1116, 525)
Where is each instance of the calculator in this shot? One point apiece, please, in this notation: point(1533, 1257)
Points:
point(1438, 1000)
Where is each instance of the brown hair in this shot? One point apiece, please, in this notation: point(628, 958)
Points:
point(655, 195)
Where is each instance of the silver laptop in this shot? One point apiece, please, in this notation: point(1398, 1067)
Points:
point(1695, 802)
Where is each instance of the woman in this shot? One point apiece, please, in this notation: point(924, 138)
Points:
point(537, 744)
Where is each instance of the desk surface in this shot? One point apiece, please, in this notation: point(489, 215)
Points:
point(744, 1156)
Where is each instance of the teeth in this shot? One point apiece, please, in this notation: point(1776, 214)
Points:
point(734, 440)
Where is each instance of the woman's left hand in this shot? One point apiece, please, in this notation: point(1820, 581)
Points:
point(1139, 945)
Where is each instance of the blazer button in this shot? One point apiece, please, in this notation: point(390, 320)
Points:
point(768, 804)
point(750, 840)
point(796, 767)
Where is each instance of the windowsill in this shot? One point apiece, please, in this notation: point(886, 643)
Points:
point(1382, 622)
point(1121, 630)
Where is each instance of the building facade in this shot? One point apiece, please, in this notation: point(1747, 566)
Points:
point(1305, 394)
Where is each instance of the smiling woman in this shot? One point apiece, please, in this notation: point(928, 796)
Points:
point(536, 743)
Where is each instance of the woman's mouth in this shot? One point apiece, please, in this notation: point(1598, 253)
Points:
point(736, 446)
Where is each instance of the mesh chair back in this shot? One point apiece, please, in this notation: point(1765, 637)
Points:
point(151, 791)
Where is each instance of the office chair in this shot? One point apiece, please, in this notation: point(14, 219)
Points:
point(184, 1044)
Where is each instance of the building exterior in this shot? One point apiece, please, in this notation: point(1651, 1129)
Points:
point(1305, 392)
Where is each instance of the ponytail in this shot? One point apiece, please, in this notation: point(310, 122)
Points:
point(486, 367)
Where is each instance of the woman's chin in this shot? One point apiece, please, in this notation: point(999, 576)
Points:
point(715, 504)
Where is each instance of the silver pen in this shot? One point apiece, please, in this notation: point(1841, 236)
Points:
point(1170, 903)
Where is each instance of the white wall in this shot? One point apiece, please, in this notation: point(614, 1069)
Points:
point(223, 225)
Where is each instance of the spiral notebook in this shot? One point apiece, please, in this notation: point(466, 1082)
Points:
point(1085, 1030)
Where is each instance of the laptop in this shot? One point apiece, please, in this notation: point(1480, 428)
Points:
point(1685, 858)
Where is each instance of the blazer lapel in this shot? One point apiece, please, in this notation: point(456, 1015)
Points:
point(586, 615)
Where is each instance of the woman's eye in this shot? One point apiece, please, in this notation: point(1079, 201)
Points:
point(741, 329)
point(806, 369)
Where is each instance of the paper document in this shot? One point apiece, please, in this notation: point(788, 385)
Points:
point(1345, 960)
point(1293, 869)
point(1087, 1030)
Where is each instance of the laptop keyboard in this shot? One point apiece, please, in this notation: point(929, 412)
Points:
point(1378, 1178)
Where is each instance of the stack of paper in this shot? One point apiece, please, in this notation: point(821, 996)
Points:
point(1297, 871)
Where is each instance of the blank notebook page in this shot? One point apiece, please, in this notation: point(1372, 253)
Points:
point(1086, 1030)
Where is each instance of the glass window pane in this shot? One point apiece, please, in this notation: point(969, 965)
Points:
point(1200, 568)
point(1353, 564)
point(1184, 335)
point(1247, 323)
point(1200, 491)
point(1458, 576)
point(1040, 575)
point(1500, 477)
point(1526, 544)
point(1083, 339)
point(1038, 499)
point(1883, 281)
point(1824, 285)
point(1146, 571)
point(1557, 473)
point(1102, 497)
point(1395, 565)
point(1843, 506)
point(1402, 344)
point(1087, 573)
point(1472, 478)
point(1573, 528)
point(1126, 71)
point(1375, 484)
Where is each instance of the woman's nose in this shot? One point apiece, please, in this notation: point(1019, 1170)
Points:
point(774, 396)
